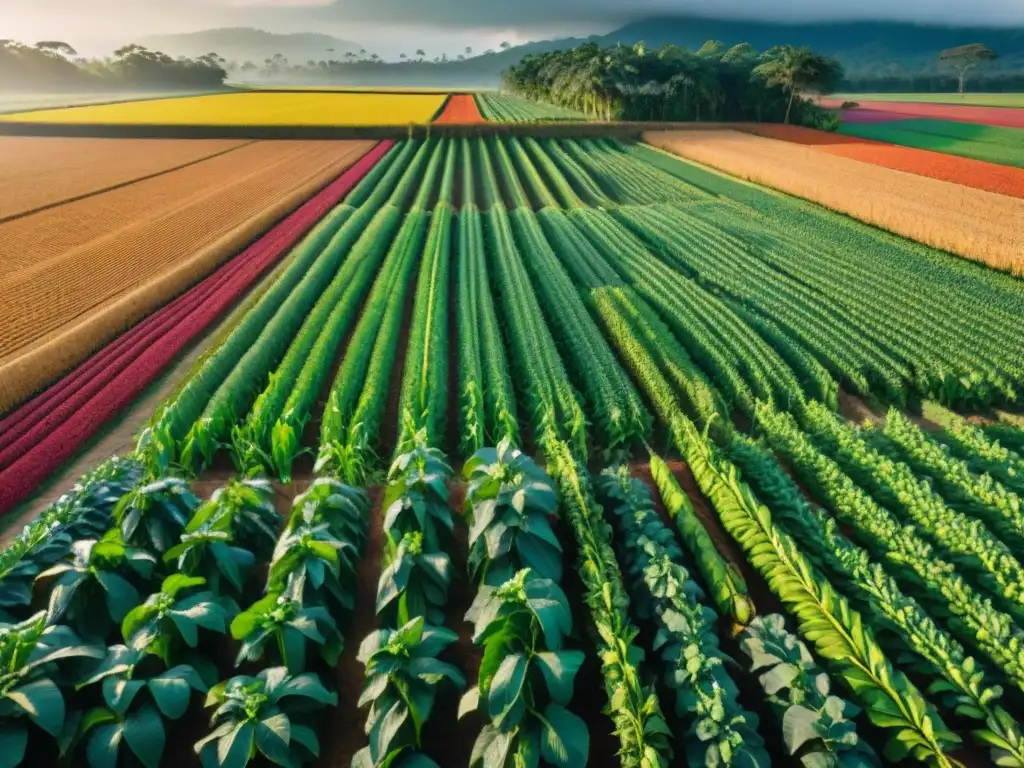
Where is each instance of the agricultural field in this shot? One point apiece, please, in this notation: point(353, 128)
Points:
point(503, 108)
point(974, 223)
point(20, 102)
point(1004, 146)
point(460, 108)
point(1013, 100)
point(89, 252)
point(252, 108)
point(511, 450)
point(1002, 179)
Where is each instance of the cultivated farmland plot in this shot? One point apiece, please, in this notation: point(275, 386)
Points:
point(406, 509)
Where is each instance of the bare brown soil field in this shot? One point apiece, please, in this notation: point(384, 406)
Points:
point(970, 222)
point(39, 173)
point(71, 277)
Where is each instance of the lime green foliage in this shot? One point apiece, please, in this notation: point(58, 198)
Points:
point(902, 547)
point(978, 142)
point(726, 585)
point(502, 108)
point(961, 686)
point(719, 732)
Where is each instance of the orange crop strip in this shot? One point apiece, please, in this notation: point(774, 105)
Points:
point(461, 108)
point(1002, 179)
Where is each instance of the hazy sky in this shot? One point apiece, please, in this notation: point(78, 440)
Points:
point(391, 26)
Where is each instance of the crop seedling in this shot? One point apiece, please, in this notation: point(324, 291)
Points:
point(153, 516)
point(526, 677)
point(509, 503)
point(268, 714)
point(403, 675)
point(288, 626)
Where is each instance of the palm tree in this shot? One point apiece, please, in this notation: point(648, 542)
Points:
point(421, 53)
point(402, 56)
point(469, 51)
point(798, 70)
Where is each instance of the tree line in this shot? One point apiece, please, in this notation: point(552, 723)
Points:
point(714, 83)
point(55, 65)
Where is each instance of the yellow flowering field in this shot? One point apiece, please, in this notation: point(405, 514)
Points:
point(251, 109)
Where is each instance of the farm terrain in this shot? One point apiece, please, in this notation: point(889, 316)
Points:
point(693, 447)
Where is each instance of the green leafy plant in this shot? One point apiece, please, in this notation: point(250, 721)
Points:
point(153, 516)
point(817, 726)
point(416, 500)
point(403, 676)
point(84, 512)
point(266, 714)
point(414, 583)
point(99, 573)
point(138, 693)
point(727, 587)
point(32, 656)
point(287, 625)
point(509, 501)
point(719, 732)
point(223, 538)
point(526, 676)
point(172, 617)
point(315, 557)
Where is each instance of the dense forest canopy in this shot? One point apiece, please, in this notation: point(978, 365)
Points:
point(54, 66)
point(670, 83)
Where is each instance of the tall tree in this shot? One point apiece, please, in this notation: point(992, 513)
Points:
point(56, 46)
point(964, 58)
point(798, 70)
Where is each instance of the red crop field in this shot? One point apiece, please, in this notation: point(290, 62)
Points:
point(881, 111)
point(990, 177)
point(461, 108)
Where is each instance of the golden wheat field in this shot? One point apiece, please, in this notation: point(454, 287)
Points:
point(255, 109)
point(74, 275)
point(41, 172)
point(979, 225)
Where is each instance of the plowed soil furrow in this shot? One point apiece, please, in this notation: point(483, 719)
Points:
point(39, 173)
point(61, 263)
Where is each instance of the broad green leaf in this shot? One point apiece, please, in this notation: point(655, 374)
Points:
point(559, 669)
point(506, 686)
point(144, 732)
point(102, 749)
point(42, 701)
point(273, 737)
point(13, 740)
point(565, 740)
point(233, 749)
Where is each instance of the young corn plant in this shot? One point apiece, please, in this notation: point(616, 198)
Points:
point(84, 512)
point(267, 715)
point(226, 534)
point(403, 676)
point(97, 587)
point(719, 732)
point(288, 628)
point(33, 668)
point(727, 588)
point(509, 504)
point(170, 620)
point(138, 694)
point(817, 726)
point(526, 677)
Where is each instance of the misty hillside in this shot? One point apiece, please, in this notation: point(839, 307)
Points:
point(864, 48)
point(246, 44)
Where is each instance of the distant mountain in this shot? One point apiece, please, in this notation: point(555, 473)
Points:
point(243, 44)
